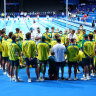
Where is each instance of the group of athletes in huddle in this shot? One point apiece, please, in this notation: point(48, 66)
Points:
point(72, 49)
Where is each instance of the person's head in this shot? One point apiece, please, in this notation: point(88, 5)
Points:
point(84, 32)
point(57, 30)
point(2, 33)
point(81, 26)
point(56, 36)
point(78, 31)
point(47, 29)
point(58, 40)
point(85, 37)
point(90, 36)
point(52, 28)
point(52, 53)
point(72, 41)
point(70, 30)
point(43, 39)
point(4, 30)
point(6, 37)
point(28, 36)
point(10, 34)
point(66, 31)
point(94, 31)
point(20, 32)
point(14, 38)
point(17, 30)
point(31, 29)
point(38, 30)
point(60, 32)
point(73, 31)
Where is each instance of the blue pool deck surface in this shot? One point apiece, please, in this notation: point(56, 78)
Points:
point(46, 88)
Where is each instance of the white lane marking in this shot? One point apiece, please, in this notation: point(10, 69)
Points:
point(11, 26)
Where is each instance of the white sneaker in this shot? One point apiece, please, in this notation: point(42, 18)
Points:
point(29, 80)
point(78, 72)
point(4, 73)
point(88, 78)
point(75, 78)
point(69, 79)
point(0, 67)
point(9, 76)
point(84, 75)
point(84, 78)
point(18, 80)
point(12, 79)
point(92, 74)
point(15, 77)
point(39, 79)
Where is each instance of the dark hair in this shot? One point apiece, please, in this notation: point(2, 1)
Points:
point(56, 36)
point(73, 31)
point(0, 32)
point(52, 53)
point(81, 25)
point(28, 35)
point(72, 40)
point(94, 31)
point(90, 36)
point(13, 37)
point(47, 28)
point(4, 29)
point(60, 31)
point(43, 39)
point(52, 28)
point(6, 37)
point(58, 40)
point(10, 34)
point(84, 30)
point(86, 37)
point(17, 29)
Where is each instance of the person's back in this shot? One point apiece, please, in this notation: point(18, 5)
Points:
point(43, 51)
point(72, 56)
point(80, 55)
point(53, 42)
point(4, 48)
point(29, 49)
point(72, 52)
point(43, 54)
point(88, 48)
point(14, 51)
point(9, 40)
point(52, 67)
point(59, 50)
point(64, 38)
